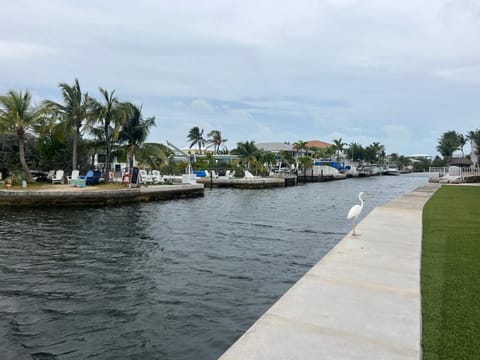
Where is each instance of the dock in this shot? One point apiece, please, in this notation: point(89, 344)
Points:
point(64, 195)
point(248, 183)
point(361, 301)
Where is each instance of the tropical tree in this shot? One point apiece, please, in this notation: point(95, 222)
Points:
point(301, 146)
point(51, 150)
point(339, 147)
point(320, 153)
point(134, 132)
point(374, 152)
point(268, 159)
point(216, 140)
point(462, 140)
point(474, 137)
point(286, 157)
point(330, 152)
point(19, 116)
point(306, 162)
point(247, 151)
point(152, 155)
point(195, 135)
point(75, 112)
point(355, 151)
point(394, 159)
point(111, 114)
point(448, 143)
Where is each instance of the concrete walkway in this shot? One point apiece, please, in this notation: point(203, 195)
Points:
point(361, 301)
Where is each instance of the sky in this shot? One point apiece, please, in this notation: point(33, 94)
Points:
point(396, 72)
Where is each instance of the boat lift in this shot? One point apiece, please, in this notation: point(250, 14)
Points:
point(189, 177)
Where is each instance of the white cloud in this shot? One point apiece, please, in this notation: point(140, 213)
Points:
point(280, 70)
point(18, 50)
point(202, 106)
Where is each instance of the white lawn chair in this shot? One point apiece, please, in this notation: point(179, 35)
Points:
point(156, 177)
point(74, 176)
point(58, 177)
point(145, 178)
point(51, 174)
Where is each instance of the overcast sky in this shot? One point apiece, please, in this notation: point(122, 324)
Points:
point(397, 72)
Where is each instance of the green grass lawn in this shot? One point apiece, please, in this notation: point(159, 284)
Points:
point(450, 275)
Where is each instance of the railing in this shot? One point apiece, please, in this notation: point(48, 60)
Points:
point(438, 172)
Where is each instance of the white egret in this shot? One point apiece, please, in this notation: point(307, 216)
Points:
point(355, 212)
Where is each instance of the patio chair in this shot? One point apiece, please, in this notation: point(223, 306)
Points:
point(92, 177)
point(74, 176)
point(51, 174)
point(156, 177)
point(58, 177)
point(145, 178)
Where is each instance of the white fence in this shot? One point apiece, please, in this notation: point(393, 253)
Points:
point(453, 171)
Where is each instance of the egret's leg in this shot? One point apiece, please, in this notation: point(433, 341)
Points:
point(353, 227)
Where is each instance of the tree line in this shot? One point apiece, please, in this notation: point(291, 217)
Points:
point(451, 141)
point(52, 133)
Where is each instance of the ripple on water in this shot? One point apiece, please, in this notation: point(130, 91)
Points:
point(178, 280)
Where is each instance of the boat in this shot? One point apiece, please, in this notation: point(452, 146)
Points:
point(392, 171)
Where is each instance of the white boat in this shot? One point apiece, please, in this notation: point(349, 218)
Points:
point(392, 171)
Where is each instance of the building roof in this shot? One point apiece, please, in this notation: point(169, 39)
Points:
point(460, 161)
point(424, 156)
point(274, 146)
point(318, 144)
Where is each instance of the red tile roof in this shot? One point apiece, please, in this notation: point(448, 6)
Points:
point(318, 144)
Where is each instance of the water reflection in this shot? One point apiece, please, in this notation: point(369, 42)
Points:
point(175, 280)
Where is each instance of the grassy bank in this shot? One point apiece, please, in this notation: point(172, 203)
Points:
point(450, 275)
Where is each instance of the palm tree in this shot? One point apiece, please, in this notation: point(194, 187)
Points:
point(247, 151)
point(339, 147)
point(356, 151)
point(286, 157)
point(301, 146)
point(320, 153)
point(374, 152)
point(51, 150)
point(153, 155)
point(474, 137)
point(134, 132)
point(462, 142)
point(111, 114)
point(268, 159)
point(447, 144)
point(17, 115)
point(306, 162)
point(195, 135)
point(330, 151)
point(75, 112)
point(216, 140)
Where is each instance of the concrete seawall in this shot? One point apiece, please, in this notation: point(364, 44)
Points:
point(64, 195)
point(361, 301)
point(256, 183)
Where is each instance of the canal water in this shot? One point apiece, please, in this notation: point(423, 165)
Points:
point(170, 280)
